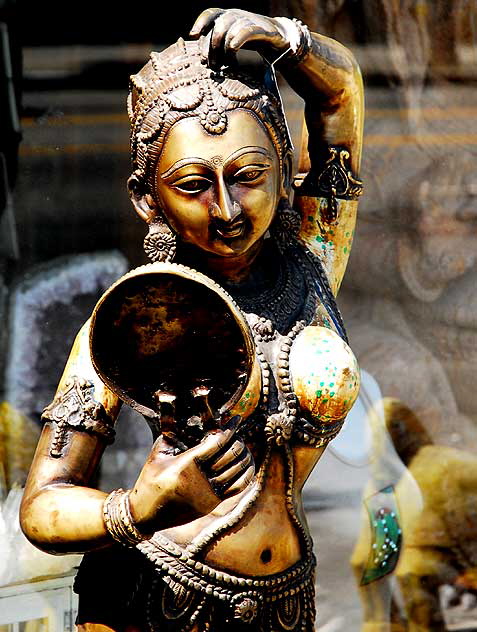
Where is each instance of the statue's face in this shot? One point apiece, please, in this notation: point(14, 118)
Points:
point(219, 192)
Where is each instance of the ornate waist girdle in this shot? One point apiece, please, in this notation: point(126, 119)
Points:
point(186, 593)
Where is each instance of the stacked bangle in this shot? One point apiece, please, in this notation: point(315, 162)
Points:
point(299, 39)
point(118, 519)
point(305, 41)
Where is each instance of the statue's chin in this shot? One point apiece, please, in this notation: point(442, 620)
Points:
point(220, 249)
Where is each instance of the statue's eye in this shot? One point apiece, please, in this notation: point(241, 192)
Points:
point(193, 185)
point(249, 174)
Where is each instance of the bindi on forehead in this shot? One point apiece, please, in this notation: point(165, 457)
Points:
point(217, 161)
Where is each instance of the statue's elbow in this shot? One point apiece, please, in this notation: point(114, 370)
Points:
point(32, 523)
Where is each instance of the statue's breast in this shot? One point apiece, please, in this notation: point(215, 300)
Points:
point(326, 379)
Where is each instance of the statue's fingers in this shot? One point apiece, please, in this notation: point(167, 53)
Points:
point(241, 33)
point(205, 21)
point(241, 483)
point(232, 472)
point(213, 443)
point(258, 34)
point(216, 54)
point(236, 451)
point(209, 446)
point(204, 46)
point(222, 26)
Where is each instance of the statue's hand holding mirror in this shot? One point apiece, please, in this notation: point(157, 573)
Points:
point(173, 345)
point(227, 31)
point(190, 484)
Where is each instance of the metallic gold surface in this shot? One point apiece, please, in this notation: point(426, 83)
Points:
point(224, 358)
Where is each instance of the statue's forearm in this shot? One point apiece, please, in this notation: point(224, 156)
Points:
point(329, 80)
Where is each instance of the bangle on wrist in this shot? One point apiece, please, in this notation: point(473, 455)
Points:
point(118, 519)
point(298, 37)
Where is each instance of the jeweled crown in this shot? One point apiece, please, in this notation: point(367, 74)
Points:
point(176, 83)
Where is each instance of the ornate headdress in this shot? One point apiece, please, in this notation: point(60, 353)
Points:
point(176, 84)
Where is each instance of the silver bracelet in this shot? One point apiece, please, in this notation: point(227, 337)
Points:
point(118, 519)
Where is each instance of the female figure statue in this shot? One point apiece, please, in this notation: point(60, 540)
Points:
point(213, 534)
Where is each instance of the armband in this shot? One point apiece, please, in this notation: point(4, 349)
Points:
point(335, 180)
point(74, 408)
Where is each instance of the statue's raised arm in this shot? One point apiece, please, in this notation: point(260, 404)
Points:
point(325, 74)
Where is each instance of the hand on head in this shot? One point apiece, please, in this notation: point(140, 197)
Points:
point(226, 32)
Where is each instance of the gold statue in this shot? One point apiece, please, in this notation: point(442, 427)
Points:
point(230, 344)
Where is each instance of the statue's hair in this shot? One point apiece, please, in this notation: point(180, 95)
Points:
point(177, 84)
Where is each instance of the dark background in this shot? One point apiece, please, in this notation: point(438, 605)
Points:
point(106, 22)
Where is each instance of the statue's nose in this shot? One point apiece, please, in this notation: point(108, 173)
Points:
point(225, 208)
point(225, 214)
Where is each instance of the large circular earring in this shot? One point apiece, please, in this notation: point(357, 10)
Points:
point(286, 226)
point(160, 243)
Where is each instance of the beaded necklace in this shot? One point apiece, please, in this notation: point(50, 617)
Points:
point(276, 317)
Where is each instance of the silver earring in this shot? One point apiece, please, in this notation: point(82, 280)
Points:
point(160, 242)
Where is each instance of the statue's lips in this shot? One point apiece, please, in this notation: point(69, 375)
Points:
point(230, 230)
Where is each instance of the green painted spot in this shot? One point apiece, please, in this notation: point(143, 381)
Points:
point(322, 383)
point(345, 250)
point(332, 384)
point(247, 394)
point(332, 393)
point(310, 218)
point(319, 393)
point(347, 234)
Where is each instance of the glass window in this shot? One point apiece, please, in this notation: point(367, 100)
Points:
point(392, 504)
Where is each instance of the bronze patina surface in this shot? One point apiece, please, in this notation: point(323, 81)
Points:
point(235, 352)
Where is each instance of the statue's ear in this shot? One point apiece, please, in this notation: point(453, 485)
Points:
point(287, 173)
point(143, 202)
